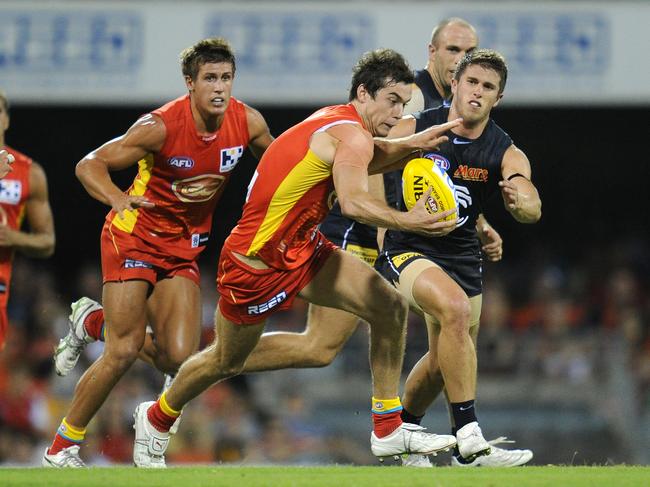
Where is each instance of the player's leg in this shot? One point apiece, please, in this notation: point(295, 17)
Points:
point(436, 294)
point(349, 284)
point(125, 311)
point(328, 329)
point(224, 358)
point(174, 312)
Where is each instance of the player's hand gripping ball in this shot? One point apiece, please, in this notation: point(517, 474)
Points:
point(420, 174)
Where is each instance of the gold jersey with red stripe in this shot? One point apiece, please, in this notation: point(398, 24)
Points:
point(184, 180)
point(14, 191)
point(288, 195)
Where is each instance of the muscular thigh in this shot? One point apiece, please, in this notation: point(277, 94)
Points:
point(345, 282)
point(174, 311)
point(125, 310)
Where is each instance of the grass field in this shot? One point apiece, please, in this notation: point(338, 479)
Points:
point(618, 476)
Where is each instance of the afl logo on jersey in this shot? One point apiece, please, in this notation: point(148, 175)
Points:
point(230, 157)
point(197, 189)
point(440, 161)
point(181, 162)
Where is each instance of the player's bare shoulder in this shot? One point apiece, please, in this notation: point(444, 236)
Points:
point(259, 134)
point(148, 132)
point(349, 136)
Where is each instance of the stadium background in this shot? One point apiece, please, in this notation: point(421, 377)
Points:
point(564, 352)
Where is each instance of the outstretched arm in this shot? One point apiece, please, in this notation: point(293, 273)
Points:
point(403, 142)
point(520, 196)
point(491, 242)
point(145, 136)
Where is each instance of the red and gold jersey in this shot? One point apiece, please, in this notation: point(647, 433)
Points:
point(288, 195)
point(14, 191)
point(184, 180)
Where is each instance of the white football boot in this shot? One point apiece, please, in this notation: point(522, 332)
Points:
point(471, 443)
point(150, 444)
point(66, 458)
point(70, 346)
point(410, 438)
point(498, 457)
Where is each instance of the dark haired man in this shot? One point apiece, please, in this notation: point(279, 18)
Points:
point(440, 277)
point(276, 253)
point(155, 232)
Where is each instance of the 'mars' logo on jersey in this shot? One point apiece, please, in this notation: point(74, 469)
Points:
point(230, 157)
point(10, 191)
point(471, 173)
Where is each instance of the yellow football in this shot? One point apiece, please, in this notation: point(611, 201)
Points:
point(420, 174)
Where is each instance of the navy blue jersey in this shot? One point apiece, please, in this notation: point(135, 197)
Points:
point(342, 230)
point(475, 168)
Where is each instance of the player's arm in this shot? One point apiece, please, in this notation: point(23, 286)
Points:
point(146, 135)
point(491, 241)
point(392, 152)
point(39, 241)
point(520, 196)
point(376, 188)
point(6, 160)
point(352, 150)
point(259, 133)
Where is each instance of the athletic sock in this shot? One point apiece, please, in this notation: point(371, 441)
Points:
point(463, 413)
point(408, 417)
point(66, 436)
point(386, 416)
point(161, 416)
point(94, 325)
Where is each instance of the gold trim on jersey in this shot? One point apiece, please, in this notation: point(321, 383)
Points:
point(145, 167)
point(310, 171)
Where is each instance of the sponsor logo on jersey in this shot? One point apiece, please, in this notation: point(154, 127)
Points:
point(366, 254)
point(464, 198)
point(440, 161)
point(198, 188)
point(379, 405)
point(181, 162)
point(136, 264)
point(10, 191)
point(230, 157)
point(399, 259)
point(199, 239)
point(257, 309)
point(471, 173)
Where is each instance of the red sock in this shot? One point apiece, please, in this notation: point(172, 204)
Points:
point(159, 419)
point(94, 324)
point(59, 444)
point(385, 424)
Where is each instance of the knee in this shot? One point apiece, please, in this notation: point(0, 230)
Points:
point(456, 314)
point(222, 365)
point(170, 360)
point(320, 354)
point(122, 353)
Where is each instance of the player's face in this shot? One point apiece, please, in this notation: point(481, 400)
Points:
point(212, 88)
point(476, 93)
point(386, 108)
point(453, 42)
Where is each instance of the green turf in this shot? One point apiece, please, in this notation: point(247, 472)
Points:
point(618, 476)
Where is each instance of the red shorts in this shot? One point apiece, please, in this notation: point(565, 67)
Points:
point(126, 257)
point(251, 295)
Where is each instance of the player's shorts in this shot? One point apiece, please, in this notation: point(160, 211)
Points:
point(126, 257)
point(250, 295)
point(356, 238)
point(466, 271)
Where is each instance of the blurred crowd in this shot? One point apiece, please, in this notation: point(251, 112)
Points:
point(565, 321)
